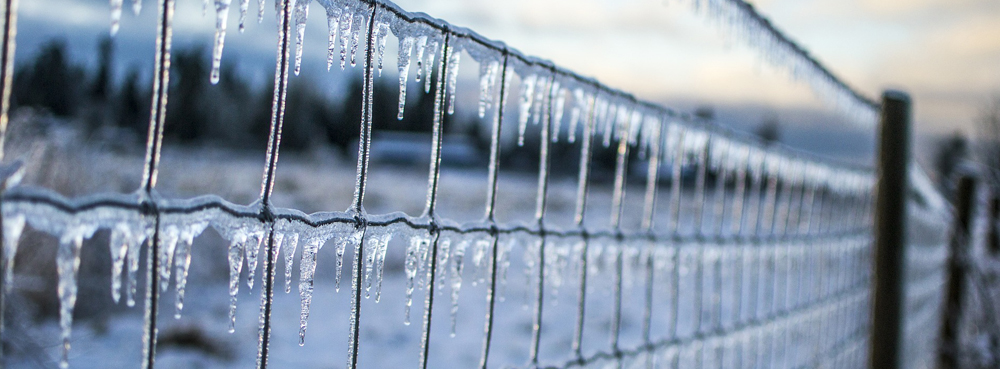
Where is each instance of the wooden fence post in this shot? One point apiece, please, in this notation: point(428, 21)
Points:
point(994, 233)
point(951, 314)
point(890, 231)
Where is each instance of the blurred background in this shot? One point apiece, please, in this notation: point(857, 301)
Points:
point(81, 109)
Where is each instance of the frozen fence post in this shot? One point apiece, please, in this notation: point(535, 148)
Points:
point(951, 314)
point(890, 230)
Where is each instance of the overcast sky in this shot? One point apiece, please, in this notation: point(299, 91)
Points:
point(946, 53)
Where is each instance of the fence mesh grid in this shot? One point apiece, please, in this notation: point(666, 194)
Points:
point(761, 259)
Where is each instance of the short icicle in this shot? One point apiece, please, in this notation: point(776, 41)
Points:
point(251, 249)
point(168, 243)
point(182, 261)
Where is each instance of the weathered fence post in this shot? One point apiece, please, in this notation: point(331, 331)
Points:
point(951, 314)
point(890, 230)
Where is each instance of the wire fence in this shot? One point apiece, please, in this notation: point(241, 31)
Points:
point(761, 257)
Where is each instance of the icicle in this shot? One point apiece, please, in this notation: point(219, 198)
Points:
point(371, 251)
point(235, 267)
point(609, 123)
point(444, 254)
point(307, 271)
point(430, 54)
point(478, 259)
point(116, 16)
point(531, 258)
point(457, 267)
point(182, 261)
point(541, 89)
point(291, 241)
point(346, 17)
point(360, 26)
point(503, 264)
point(301, 13)
point(251, 249)
point(487, 81)
point(380, 264)
point(333, 24)
point(68, 263)
point(421, 48)
point(574, 116)
point(558, 110)
point(168, 243)
point(221, 19)
point(381, 34)
point(412, 265)
point(342, 242)
point(260, 10)
point(12, 229)
point(405, 48)
point(134, 245)
point(244, 7)
point(527, 94)
point(451, 71)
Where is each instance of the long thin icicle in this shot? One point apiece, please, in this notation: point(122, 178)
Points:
point(307, 271)
point(182, 261)
point(451, 72)
point(221, 20)
point(68, 263)
point(290, 242)
point(413, 264)
point(168, 243)
point(12, 229)
point(333, 25)
point(405, 49)
point(346, 18)
point(301, 14)
point(116, 16)
point(235, 267)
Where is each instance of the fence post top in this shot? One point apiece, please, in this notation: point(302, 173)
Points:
point(896, 95)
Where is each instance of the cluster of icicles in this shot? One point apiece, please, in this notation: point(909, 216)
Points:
point(545, 94)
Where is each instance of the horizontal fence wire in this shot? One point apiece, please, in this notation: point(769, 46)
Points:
point(785, 248)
